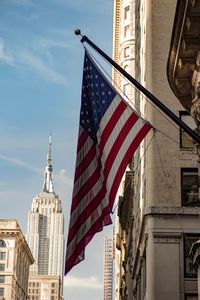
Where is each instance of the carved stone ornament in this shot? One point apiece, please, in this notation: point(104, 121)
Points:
point(195, 108)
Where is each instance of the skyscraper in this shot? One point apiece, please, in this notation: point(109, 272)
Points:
point(108, 268)
point(45, 231)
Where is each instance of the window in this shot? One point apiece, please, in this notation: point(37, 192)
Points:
point(126, 30)
point(126, 12)
point(125, 88)
point(188, 265)
point(1, 291)
point(126, 68)
point(2, 278)
point(186, 141)
point(2, 255)
point(189, 187)
point(2, 244)
point(126, 51)
point(191, 297)
point(2, 267)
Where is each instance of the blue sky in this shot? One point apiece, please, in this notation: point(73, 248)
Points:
point(40, 84)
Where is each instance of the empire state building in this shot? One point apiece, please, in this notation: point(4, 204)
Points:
point(45, 231)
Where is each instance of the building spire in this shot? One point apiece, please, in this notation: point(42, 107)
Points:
point(48, 183)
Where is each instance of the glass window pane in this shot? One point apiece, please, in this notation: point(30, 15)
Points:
point(127, 52)
point(190, 192)
point(2, 244)
point(185, 140)
point(126, 12)
point(2, 255)
point(2, 267)
point(191, 297)
point(1, 291)
point(190, 272)
point(126, 30)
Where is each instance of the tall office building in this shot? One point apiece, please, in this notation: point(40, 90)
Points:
point(108, 268)
point(45, 231)
point(157, 41)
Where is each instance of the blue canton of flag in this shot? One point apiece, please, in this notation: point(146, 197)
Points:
point(96, 98)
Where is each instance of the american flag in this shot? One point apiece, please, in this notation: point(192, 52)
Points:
point(109, 133)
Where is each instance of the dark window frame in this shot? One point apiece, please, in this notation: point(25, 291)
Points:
point(2, 244)
point(181, 131)
point(1, 289)
point(3, 269)
point(189, 294)
point(3, 255)
point(187, 237)
point(195, 203)
point(126, 11)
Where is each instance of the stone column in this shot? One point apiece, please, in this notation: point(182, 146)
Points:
point(195, 256)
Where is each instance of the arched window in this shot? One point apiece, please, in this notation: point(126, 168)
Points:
point(2, 244)
point(126, 68)
point(126, 12)
point(127, 51)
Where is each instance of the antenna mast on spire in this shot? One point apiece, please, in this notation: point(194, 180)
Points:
point(48, 182)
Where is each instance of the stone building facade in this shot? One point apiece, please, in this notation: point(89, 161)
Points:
point(15, 260)
point(44, 287)
point(159, 209)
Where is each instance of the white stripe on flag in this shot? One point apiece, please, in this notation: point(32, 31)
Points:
point(121, 153)
point(85, 201)
point(84, 150)
point(83, 229)
point(116, 130)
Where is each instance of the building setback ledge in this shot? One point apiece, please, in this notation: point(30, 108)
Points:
point(156, 210)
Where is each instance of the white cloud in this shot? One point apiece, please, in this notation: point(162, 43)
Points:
point(36, 63)
point(47, 44)
point(20, 163)
point(4, 56)
point(82, 283)
point(63, 177)
point(34, 60)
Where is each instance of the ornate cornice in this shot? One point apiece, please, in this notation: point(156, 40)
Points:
point(183, 67)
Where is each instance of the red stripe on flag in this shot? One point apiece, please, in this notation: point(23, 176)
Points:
point(108, 165)
point(85, 162)
point(81, 140)
point(86, 187)
point(111, 124)
point(87, 212)
point(134, 145)
point(96, 227)
point(118, 142)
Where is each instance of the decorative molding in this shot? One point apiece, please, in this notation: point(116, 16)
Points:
point(162, 237)
point(157, 210)
point(183, 64)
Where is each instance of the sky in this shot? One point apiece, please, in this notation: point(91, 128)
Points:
point(41, 64)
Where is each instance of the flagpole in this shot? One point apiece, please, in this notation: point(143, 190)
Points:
point(148, 94)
